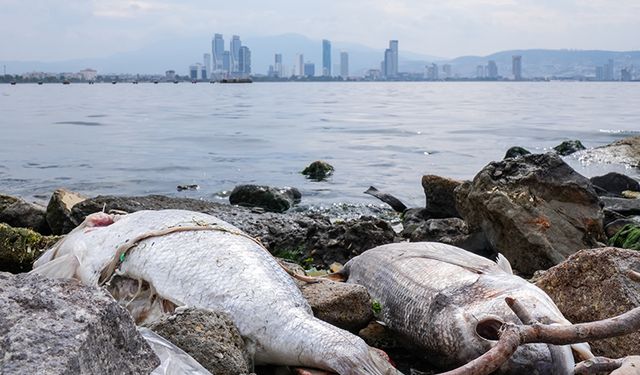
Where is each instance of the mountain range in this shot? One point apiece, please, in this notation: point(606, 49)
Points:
point(177, 54)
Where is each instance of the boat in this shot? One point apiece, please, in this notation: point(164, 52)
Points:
point(236, 80)
point(40, 82)
point(175, 81)
point(13, 83)
point(155, 82)
point(66, 82)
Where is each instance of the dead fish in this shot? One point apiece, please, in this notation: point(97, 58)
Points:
point(192, 259)
point(451, 304)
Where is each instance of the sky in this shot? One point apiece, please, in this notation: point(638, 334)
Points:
point(50, 30)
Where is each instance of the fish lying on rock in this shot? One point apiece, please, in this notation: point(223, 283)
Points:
point(183, 258)
point(450, 303)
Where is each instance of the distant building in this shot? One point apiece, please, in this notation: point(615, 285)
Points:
point(226, 62)
point(431, 72)
point(599, 73)
point(608, 71)
point(207, 65)
point(344, 64)
point(234, 53)
point(516, 67)
point(278, 67)
point(170, 75)
point(479, 72)
point(88, 74)
point(446, 71)
point(195, 71)
point(244, 61)
point(309, 69)
point(625, 74)
point(326, 58)
point(391, 60)
point(374, 74)
point(217, 51)
point(301, 65)
point(492, 70)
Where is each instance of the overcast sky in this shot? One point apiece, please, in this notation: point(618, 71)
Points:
point(65, 29)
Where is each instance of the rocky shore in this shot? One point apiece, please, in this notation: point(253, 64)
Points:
point(576, 237)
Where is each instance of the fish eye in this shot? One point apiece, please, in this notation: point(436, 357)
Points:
point(489, 328)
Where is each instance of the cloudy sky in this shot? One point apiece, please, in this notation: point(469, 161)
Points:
point(64, 29)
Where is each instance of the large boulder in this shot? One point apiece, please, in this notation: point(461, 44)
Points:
point(20, 247)
point(57, 326)
point(59, 210)
point(266, 197)
point(441, 201)
point(623, 206)
point(614, 184)
point(623, 151)
point(593, 285)
point(569, 147)
point(209, 337)
point(23, 214)
point(535, 209)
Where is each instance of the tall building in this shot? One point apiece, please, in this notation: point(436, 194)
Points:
point(492, 70)
point(344, 65)
point(195, 71)
point(446, 71)
point(301, 65)
point(516, 67)
point(626, 74)
point(207, 65)
point(391, 60)
point(244, 61)
point(278, 67)
point(217, 51)
point(234, 53)
point(608, 71)
point(599, 73)
point(226, 62)
point(326, 58)
point(309, 69)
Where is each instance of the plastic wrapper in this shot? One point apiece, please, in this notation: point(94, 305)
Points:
point(174, 361)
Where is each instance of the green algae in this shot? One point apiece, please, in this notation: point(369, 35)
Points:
point(20, 247)
point(627, 238)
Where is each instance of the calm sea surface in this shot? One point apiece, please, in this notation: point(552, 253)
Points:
point(143, 139)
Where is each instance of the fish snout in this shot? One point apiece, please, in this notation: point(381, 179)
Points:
point(488, 328)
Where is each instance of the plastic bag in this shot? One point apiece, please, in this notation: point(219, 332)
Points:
point(174, 361)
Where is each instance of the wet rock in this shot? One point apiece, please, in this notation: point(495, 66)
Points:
point(270, 198)
point(516, 151)
point(440, 197)
point(413, 218)
point(614, 184)
point(451, 231)
point(22, 214)
point(318, 170)
point(347, 306)
point(536, 210)
point(615, 226)
point(624, 151)
point(623, 206)
point(58, 214)
point(209, 337)
point(627, 238)
point(57, 326)
point(569, 147)
point(593, 285)
point(20, 247)
point(6, 201)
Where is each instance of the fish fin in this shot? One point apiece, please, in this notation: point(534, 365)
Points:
point(504, 264)
point(582, 351)
point(65, 267)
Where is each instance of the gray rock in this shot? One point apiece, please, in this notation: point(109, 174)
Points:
point(614, 184)
point(266, 197)
point(22, 214)
point(7, 200)
point(318, 170)
point(623, 206)
point(59, 210)
point(536, 210)
point(623, 151)
point(209, 337)
point(452, 231)
point(347, 306)
point(569, 147)
point(516, 151)
point(20, 247)
point(593, 285)
point(58, 326)
point(441, 201)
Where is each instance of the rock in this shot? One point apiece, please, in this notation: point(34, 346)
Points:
point(440, 197)
point(173, 359)
point(569, 147)
point(20, 247)
point(615, 226)
point(58, 326)
point(593, 285)
point(269, 198)
point(6, 201)
point(59, 210)
point(614, 184)
point(343, 305)
point(516, 151)
point(627, 238)
point(631, 194)
point(22, 214)
point(623, 206)
point(536, 210)
point(413, 218)
point(389, 199)
point(318, 170)
point(452, 231)
point(623, 151)
point(630, 366)
point(209, 337)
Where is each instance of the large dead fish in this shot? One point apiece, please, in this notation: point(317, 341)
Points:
point(451, 304)
point(188, 258)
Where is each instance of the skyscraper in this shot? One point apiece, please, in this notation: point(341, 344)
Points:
point(234, 52)
point(244, 61)
point(492, 70)
point(516, 67)
point(391, 60)
point(277, 67)
point(226, 62)
point(326, 58)
point(309, 69)
point(207, 65)
point(344, 65)
point(301, 65)
point(217, 50)
point(608, 71)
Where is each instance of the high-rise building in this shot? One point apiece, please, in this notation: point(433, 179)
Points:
point(344, 65)
point(391, 60)
point(516, 67)
point(326, 58)
point(301, 65)
point(226, 62)
point(217, 51)
point(278, 68)
point(446, 71)
point(599, 73)
point(234, 52)
point(608, 71)
point(492, 70)
point(244, 61)
point(309, 69)
point(626, 74)
point(195, 71)
point(207, 65)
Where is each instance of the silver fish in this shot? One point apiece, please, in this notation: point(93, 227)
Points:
point(450, 303)
point(193, 259)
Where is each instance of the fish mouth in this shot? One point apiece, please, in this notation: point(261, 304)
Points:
point(488, 328)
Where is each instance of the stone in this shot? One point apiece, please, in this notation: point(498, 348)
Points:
point(516, 151)
point(536, 210)
point(22, 214)
point(451, 231)
point(58, 214)
point(318, 170)
point(7, 200)
point(58, 326)
point(623, 151)
point(592, 285)
point(623, 206)
point(20, 247)
point(439, 192)
point(627, 238)
point(210, 337)
point(614, 184)
point(616, 226)
point(343, 305)
point(569, 147)
point(266, 197)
